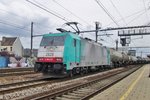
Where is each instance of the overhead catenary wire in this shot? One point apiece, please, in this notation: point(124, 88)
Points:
point(136, 18)
point(40, 4)
point(15, 26)
point(146, 11)
point(8, 24)
point(43, 8)
point(126, 17)
point(35, 24)
point(71, 12)
point(10, 13)
point(106, 11)
point(59, 14)
point(118, 12)
point(62, 18)
point(46, 9)
point(14, 33)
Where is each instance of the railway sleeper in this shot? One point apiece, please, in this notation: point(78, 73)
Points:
point(79, 92)
point(61, 98)
point(86, 90)
point(74, 94)
point(70, 97)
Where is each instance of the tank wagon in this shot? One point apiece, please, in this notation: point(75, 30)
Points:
point(116, 57)
point(119, 58)
point(67, 54)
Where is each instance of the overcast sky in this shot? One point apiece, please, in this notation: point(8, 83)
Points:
point(17, 15)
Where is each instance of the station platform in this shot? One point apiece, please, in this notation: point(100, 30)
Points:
point(134, 87)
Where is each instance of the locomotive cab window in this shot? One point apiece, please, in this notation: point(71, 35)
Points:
point(53, 41)
point(74, 42)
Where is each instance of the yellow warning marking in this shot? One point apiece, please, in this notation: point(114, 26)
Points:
point(125, 95)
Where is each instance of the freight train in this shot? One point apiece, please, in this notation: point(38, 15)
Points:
point(63, 54)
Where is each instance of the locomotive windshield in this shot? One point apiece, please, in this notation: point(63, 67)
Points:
point(53, 41)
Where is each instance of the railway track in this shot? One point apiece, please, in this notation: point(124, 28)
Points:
point(57, 88)
point(11, 87)
point(8, 88)
point(87, 89)
point(18, 78)
point(16, 71)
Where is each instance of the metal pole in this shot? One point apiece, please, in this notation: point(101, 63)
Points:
point(116, 45)
point(141, 54)
point(96, 32)
point(31, 39)
point(149, 71)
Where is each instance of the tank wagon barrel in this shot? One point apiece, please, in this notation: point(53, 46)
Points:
point(118, 58)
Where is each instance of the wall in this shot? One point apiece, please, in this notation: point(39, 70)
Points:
point(17, 47)
point(8, 48)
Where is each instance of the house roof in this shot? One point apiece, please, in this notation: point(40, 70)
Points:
point(8, 41)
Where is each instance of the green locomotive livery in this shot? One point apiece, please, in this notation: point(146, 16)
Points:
point(67, 54)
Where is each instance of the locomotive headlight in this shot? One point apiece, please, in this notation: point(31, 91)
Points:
point(40, 59)
point(51, 49)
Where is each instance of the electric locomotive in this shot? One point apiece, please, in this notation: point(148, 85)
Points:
point(66, 53)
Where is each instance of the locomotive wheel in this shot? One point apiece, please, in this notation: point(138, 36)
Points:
point(77, 70)
point(81, 71)
point(85, 70)
point(37, 67)
point(44, 69)
point(71, 73)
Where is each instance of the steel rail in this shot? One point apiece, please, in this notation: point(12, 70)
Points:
point(17, 73)
point(25, 86)
point(106, 87)
point(19, 83)
point(16, 69)
point(50, 94)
